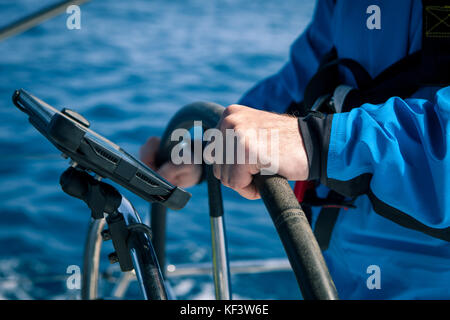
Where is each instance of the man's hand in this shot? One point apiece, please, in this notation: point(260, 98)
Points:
point(281, 148)
point(184, 175)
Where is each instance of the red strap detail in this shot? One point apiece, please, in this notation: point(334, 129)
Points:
point(335, 206)
point(300, 189)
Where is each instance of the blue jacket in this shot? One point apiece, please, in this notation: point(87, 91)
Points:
point(401, 144)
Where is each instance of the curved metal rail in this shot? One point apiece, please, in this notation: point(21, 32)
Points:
point(144, 259)
point(91, 260)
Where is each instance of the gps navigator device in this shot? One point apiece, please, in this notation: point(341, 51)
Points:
point(70, 133)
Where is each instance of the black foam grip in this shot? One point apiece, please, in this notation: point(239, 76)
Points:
point(297, 237)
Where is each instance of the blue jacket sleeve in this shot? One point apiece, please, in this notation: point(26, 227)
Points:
point(397, 153)
point(278, 91)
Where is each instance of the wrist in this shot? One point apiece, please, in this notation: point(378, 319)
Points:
point(315, 130)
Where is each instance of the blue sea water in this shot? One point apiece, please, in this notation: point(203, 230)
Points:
point(132, 65)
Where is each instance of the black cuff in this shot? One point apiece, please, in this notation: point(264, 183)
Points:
point(315, 129)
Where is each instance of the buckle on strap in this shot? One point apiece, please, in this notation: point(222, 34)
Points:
point(339, 95)
point(332, 103)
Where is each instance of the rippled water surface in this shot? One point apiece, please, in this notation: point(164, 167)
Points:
point(131, 66)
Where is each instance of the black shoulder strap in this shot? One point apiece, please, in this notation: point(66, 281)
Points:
point(327, 220)
point(330, 79)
